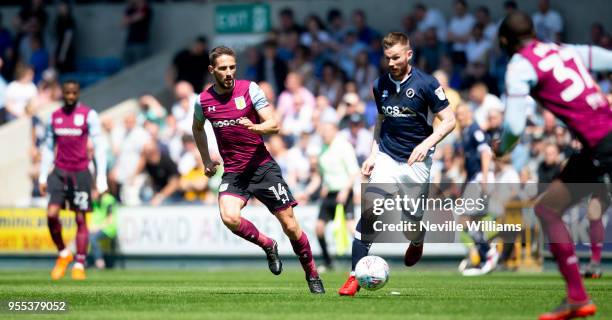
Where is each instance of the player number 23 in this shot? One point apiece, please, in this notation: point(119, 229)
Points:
point(555, 62)
point(280, 193)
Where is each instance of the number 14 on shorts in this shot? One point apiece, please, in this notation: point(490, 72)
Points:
point(280, 192)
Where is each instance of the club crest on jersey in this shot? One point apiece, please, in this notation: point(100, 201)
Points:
point(240, 103)
point(385, 94)
point(79, 119)
point(410, 93)
point(59, 120)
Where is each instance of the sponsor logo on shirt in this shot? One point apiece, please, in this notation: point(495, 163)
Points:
point(398, 111)
point(68, 132)
point(225, 123)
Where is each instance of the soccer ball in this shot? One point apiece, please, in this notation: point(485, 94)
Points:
point(372, 272)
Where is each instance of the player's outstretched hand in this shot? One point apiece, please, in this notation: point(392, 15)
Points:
point(42, 187)
point(367, 167)
point(418, 154)
point(210, 168)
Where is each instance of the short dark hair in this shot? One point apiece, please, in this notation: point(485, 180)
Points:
point(461, 2)
point(515, 27)
point(484, 9)
point(333, 14)
point(286, 12)
point(220, 51)
point(393, 38)
point(202, 39)
point(71, 81)
point(510, 4)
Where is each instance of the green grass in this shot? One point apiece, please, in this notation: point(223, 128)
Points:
point(246, 294)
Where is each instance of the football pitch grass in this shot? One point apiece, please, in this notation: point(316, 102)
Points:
point(257, 294)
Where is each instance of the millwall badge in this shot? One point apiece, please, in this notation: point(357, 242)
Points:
point(79, 119)
point(240, 103)
point(410, 93)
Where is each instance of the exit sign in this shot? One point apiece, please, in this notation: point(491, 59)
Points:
point(242, 18)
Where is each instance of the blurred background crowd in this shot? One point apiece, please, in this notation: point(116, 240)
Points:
point(315, 71)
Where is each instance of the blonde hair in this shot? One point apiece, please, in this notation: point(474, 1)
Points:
point(393, 38)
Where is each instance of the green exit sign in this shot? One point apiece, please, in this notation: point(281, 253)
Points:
point(242, 18)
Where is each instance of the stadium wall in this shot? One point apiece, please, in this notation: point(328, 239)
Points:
point(100, 33)
point(178, 231)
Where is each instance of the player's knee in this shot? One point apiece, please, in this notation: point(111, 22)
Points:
point(230, 219)
point(545, 213)
point(290, 227)
point(53, 211)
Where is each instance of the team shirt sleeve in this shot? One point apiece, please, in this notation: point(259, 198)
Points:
point(481, 140)
point(257, 96)
point(95, 133)
point(520, 78)
point(595, 58)
point(434, 94)
point(197, 111)
point(47, 146)
point(377, 96)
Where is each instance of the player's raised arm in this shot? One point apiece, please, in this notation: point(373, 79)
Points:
point(199, 135)
point(519, 79)
point(95, 134)
point(48, 147)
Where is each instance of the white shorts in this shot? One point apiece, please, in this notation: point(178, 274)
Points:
point(400, 178)
point(387, 170)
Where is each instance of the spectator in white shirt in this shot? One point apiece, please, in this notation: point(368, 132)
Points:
point(130, 139)
point(547, 22)
point(483, 17)
point(482, 102)
point(19, 92)
point(315, 31)
point(460, 28)
point(182, 109)
point(359, 137)
point(477, 49)
point(430, 18)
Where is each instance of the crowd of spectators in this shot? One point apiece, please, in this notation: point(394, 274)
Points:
point(323, 69)
point(36, 48)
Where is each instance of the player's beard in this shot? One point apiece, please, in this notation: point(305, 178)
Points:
point(70, 106)
point(399, 72)
point(226, 83)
